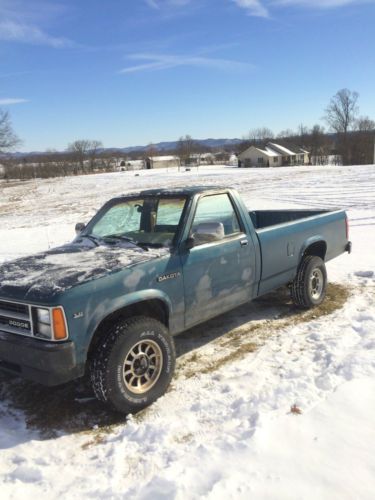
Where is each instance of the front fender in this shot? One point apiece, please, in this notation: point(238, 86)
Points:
point(110, 306)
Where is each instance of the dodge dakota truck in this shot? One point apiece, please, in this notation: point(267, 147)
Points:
point(148, 266)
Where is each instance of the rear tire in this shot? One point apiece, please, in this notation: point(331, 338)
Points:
point(308, 288)
point(133, 364)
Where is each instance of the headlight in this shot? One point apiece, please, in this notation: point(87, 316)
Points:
point(42, 323)
point(43, 316)
point(49, 324)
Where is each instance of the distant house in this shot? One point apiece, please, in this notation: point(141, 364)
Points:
point(162, 162)
point(123, 165)
point(194, 160)
point(331, 159)
point(273, 155)
point(207, 158)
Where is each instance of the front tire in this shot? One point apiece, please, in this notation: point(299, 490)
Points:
point(308, 288)
point(133, 364)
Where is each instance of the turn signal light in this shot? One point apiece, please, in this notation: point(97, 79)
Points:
point(59, 327)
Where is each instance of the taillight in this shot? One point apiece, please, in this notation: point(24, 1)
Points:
point(347, 227)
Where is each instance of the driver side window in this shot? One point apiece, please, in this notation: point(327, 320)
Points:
point(216, 210)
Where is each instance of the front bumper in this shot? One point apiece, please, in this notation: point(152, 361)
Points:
point(48, 363)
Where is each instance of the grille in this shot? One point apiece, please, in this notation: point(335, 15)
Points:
point(11, 307)
point(15, 318)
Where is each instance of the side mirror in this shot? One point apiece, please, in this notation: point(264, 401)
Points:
point(190, 243)
point(80, 226)
point(208, 232)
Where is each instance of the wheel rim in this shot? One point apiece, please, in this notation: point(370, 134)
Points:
point(316, 284)
point(142, 366)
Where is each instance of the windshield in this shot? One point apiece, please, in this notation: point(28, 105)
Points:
point(150, 221)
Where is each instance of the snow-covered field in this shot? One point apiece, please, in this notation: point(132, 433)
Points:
point(225, 429)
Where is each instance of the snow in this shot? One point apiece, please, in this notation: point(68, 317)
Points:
point(164, 158)
point(225, 429)
point(269, 152)
point(282, 149)
point(49, 273)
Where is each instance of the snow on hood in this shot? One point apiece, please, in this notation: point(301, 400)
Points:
point(49, 273)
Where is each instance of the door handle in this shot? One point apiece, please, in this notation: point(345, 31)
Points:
point(244, 243)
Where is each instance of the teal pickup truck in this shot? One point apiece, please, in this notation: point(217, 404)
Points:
point(150, 265)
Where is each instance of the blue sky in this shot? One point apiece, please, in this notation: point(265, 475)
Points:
point(131, 72)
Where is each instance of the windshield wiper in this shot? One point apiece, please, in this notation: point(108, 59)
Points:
point(92, 238)
point(121, 238)
point(151, 245)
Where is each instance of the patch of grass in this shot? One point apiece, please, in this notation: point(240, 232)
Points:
point(237, 340)
point(185, 438)
point(235, 355)
point(295, 410)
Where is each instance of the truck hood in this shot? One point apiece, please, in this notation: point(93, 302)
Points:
point(42, 276)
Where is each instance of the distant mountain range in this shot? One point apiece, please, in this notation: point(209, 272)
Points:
point(160, 146)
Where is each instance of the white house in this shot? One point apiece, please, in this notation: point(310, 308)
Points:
point(273, 155)
point(163, 162)
point(122, 165)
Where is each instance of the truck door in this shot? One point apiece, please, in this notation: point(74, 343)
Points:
point(218, 273)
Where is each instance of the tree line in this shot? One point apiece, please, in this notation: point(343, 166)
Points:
point(349, 135)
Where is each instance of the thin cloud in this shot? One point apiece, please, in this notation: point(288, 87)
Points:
point(253, 7)
point(155, 62)
point(158, 4)
point(11, 31)
point(11, 100)
point(261, 8)
point(153, 4)
point(322, 4)
point(21, 21)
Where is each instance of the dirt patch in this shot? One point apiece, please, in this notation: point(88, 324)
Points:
point(72, 407)
point(51, 410)
point(251, 335)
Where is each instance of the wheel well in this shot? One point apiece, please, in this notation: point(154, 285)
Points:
point(153, 308)
point(318, 249)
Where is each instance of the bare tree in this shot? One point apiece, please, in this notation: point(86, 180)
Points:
point(82, 150)
point(302, 130)
point(8, 139)
point(94, 146)
point(288, 132)
point(185, 148)
point(303, 133)
point(151, 150)
point(342, 110)
point(260, 134)
point(79, 150)
point(365, 124)
point(318, 145)
point(341, 117)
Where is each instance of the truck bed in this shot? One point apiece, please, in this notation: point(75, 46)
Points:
point(284, 234)
point(266, 218)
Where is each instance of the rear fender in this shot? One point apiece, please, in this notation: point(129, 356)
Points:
point(316, 245)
